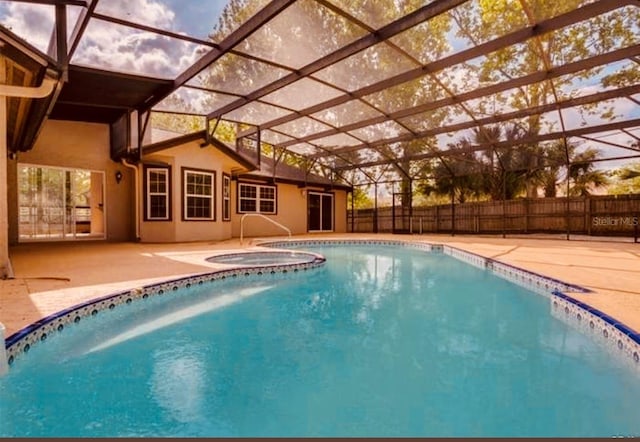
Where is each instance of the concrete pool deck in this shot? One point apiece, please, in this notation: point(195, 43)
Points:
point(52, 276)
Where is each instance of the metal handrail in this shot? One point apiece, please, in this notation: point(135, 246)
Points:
point(261, 216)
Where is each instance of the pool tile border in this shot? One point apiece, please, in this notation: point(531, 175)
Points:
point(535, 282)
point(620, 340)
point(23, 340)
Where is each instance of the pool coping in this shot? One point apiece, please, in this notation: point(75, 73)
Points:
point(21, 341)
point(621, 339)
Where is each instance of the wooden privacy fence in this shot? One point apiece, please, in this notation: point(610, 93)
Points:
point(616, 215)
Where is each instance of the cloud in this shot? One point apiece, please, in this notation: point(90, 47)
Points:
point(109, 46)
point(149, 12)
point(34, 23)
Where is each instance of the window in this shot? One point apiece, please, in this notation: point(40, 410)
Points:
point(157, 194)
point(226, 197)
point(198, 195)
point(256, 198)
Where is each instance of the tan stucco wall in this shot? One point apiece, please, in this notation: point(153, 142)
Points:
point(83, 146)
point(189, 155)
point(292, 203)
point(340, 204)
point(292, 212)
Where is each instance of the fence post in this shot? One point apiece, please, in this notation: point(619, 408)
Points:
point(526, 215)
point(589, 209)
point(353, 212)
point(375, 209)
point(567, 215)
point(453, 215)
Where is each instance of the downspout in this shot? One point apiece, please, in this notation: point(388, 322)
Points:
point(42, 91)
point(136, 181)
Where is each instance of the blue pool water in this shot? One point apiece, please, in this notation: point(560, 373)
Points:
point(378, 342)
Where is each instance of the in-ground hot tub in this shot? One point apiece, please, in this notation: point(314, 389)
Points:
point(266, 258)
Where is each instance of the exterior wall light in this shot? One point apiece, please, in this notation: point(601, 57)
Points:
point(118, 176)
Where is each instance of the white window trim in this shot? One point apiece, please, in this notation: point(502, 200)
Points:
point(185, 195)
point(226, 185)
point(257, 198)
point(149, 194)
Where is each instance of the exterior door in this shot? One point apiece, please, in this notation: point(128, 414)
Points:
point(57, 204)
point(320, 212)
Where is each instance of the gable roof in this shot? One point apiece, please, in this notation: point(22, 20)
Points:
point(280, 172)
point(268, 170)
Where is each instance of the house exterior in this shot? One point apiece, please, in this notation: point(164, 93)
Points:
point(68, 188)
point(76, 161)
point(233, 187)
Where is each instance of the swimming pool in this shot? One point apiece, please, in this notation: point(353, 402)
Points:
point(382, 340)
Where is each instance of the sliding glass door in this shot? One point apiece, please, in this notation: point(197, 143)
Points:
point(320, 212)
point(60, 204)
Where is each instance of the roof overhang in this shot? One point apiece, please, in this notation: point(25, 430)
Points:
point(29, 73)
point(100, 96)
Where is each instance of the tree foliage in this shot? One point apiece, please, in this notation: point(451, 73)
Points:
point(457, 176)
point(360, 199)
point(626, 180)
point(583, 175)
point(307, 31)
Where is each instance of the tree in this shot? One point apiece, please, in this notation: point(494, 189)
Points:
point(176, 114)
point(583, 176)
point(360, 198)
point(626, 180)
point(317, 31)
point(488, 19)
point(504, 172)
point(555, 158)
point(457, 174)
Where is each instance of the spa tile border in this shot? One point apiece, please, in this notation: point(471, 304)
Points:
point(306, 257)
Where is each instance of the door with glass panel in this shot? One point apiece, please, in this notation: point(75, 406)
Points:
point(320, 212)
point(60, 204)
